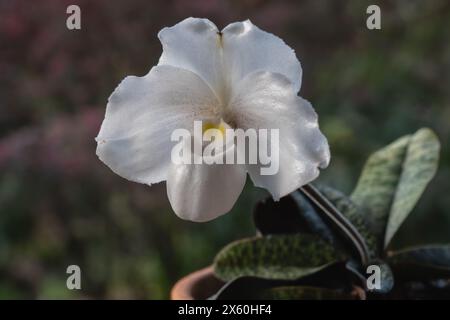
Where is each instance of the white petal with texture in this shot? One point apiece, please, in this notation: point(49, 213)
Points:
point(247, 49)
point(267, 100)
point(202, 192)
point(194, 44)
point(134, 139)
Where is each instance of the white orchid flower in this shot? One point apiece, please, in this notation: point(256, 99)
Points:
point(242, 77)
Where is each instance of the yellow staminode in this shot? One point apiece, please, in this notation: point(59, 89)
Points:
point(210, 125)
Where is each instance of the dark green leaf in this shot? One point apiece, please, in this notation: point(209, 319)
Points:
point(334, 277)
point(315, 223)
point(354, 214)
point(362, 274)
point(393, 180)
point(292, 214)
point(421, 263)
point(279, 217)
point(275, 257)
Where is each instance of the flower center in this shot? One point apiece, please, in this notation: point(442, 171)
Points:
point(215, 132)
point(210, 125)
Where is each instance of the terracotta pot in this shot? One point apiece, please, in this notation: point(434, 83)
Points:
point(198, 285)
point(202, 284)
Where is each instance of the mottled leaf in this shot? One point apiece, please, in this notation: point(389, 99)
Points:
point(333, 277)
point(394, 178)
point(315, 223)
point(378, 181)
point(275, 257)
point(421, 263)
point(354, 214)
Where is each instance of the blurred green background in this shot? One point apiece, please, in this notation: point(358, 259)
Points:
point(59, 205)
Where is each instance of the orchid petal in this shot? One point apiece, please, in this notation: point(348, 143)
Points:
point(202, 192)
point(194, 45)
point(247, 49)
point(134, 139)
point(267, 100)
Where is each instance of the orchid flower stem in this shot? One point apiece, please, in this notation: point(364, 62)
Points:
point(331, 214)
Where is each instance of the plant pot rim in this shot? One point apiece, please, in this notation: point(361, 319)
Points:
point(200, 284)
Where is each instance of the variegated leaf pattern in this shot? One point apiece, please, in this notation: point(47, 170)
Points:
point(284, 257)
point(394, 178)
point(354, 214)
